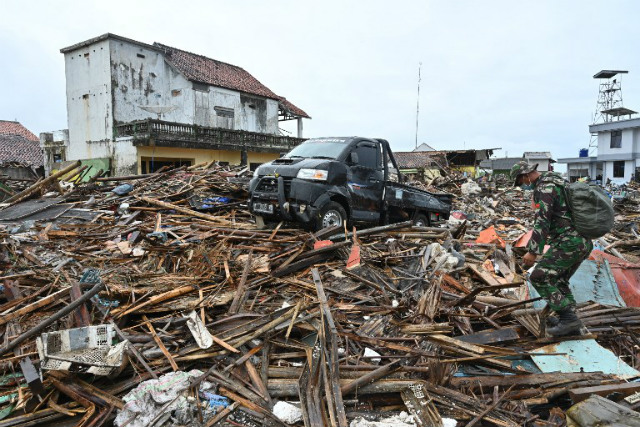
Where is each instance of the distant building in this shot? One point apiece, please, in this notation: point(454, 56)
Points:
point(424, 147)
point(500, 165)
point(618, 153)
point(503, 165)
point(617, 139)
point(583, 166)
point(421, 164)
point(140, 107)
point(542, 158)
point(466, 161)
point(20, 153)
point(618, 149)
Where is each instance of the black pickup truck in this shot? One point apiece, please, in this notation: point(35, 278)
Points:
point(325, 181)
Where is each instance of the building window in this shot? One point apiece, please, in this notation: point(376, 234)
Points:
point(618, 169)
point(254, 166)
point(225, 117)
point(616, 139)
point(152, 164)
point(200, 87)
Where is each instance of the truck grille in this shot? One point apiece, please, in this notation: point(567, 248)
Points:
point(270, 185)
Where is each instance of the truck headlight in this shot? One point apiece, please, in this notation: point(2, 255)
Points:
point(313, 174)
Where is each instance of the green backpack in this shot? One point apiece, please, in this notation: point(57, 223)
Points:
point(591, 209)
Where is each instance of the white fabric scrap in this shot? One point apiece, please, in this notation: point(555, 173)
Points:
point(287, 413)
point(373, 355)
point(167, 394)
point(199, 330)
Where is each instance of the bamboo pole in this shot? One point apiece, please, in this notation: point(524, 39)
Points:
point(38, 185)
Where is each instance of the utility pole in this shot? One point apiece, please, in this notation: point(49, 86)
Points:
point(418, 103)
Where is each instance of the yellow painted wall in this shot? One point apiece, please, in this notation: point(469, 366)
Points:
point(470, 170)
point(261, 157)
point(202, 156)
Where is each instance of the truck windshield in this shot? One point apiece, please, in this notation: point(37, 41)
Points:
point(325, 150)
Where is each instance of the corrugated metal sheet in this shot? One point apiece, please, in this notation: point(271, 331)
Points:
point(626, 275)
point(592, 282)
point(582, 356)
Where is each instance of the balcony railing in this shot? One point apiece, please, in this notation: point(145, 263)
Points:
point(169, 134)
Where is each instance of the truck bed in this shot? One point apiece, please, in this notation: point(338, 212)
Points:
point(406, 197)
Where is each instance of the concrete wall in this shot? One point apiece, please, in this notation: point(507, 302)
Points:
point(89, 112)
point(142, 81)
point(629, 169)
point(579, 169)
point(146, 87)
point(55, 148)
point(543, 164)
point(628, 143)
point(630, 147)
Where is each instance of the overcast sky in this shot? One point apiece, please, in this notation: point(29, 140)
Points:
point(510, 74)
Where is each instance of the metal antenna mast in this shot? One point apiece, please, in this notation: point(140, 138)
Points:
point(418, 103)
point(609, 106)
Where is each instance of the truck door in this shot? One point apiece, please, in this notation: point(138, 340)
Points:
point(366, 181)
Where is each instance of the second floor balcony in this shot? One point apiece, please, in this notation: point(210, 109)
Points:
point(168, 134)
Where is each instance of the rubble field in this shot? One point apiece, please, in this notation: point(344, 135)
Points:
point(154, 300)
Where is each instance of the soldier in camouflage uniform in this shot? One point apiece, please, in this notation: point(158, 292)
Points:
point(553, 226)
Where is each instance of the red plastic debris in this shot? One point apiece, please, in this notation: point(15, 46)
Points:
point(490, 236)
point(354, 257)
point(626, 275)
point(322, 243)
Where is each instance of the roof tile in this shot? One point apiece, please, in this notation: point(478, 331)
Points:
point(15, 128)
point(205, 70)
point(15, 148)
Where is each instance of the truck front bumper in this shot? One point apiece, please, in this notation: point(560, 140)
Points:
point(273, 204)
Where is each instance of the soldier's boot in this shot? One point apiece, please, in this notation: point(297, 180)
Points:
point(552, 321)
point(568, 323)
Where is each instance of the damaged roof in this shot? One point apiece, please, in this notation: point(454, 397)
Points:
point(201, 69)
point(419, 159)
point(15, 148)
point(16, 128)
point(19, 144)
point(209, 71)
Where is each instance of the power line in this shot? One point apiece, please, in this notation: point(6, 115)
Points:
point(418, 103)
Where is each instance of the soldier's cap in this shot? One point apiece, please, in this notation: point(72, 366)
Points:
point(521, 168)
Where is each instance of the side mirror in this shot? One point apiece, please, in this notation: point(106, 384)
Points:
point(353, 158)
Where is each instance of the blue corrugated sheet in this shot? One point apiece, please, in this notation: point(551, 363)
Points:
point(592, 282)
point(582, 356)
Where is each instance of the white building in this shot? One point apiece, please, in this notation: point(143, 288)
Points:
point(144, 106)
point(618, 149)
point(542, 158)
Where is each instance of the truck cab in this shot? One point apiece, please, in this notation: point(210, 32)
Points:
point(326, 181)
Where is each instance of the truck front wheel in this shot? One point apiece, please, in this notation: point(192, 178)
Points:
point(331, 214)
point(421, 220)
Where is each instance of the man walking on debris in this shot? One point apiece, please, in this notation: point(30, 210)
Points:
point(553, 226)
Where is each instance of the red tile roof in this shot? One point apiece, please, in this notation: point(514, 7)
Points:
point(419, 159)
point(15, 148)
point(15, 128)
point(205, 70)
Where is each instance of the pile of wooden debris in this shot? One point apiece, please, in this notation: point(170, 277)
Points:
point(154, 300)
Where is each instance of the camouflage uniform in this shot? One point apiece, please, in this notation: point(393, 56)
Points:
point(567, 250)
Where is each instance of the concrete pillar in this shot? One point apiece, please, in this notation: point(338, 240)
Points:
point(244, 158)
point(299, 127)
